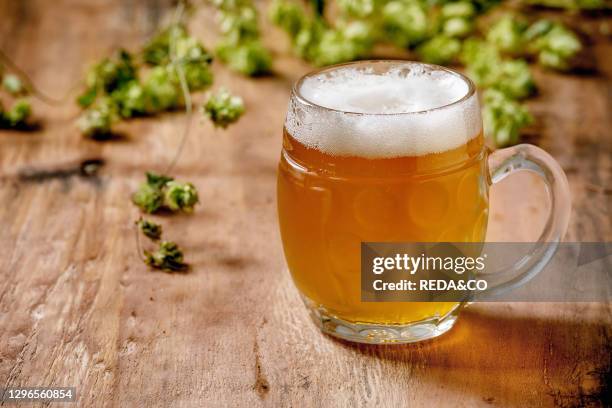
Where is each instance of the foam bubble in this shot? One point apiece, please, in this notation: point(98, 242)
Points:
point(383, 113)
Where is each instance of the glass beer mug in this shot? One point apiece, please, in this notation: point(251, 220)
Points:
point(391, 151)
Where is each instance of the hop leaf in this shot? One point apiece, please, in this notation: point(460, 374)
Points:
point(168, 257)
point(157, 180)
point(224, 108)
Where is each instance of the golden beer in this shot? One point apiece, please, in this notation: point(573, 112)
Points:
point(357, 175)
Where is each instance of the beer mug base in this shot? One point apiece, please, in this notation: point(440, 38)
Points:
point(372, 333)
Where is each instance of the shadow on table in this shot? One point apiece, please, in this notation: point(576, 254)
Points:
point(510, 361)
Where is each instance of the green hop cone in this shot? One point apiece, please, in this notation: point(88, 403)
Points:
point(439, 50)
point(223, 108)
point(195, 61)
point(19, 113)
point(12, 84)
point(557, 47)
point(463, 9)
point(457, 27)
point(168, 257)
point(97, 120)
point(150, 194)
point(161, 90)
point(507, 34)
point(404, 22)
point(358, 8)
point(148, 198)
point(249, 58)
point(160, 191)
point(150, 229)
point(345, 43)
point(180, 196)
point(157, 50)
point(515, 79)
point(130, 99)
point(288, 16)
point(503, 118)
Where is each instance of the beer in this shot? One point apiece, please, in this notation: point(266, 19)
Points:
point(377, 151)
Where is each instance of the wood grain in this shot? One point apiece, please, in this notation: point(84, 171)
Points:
point(78, 308)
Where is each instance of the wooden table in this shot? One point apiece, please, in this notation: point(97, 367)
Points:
point(78, 307)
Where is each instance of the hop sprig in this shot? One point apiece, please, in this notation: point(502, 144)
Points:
point(162, 192)
point(168, 256)
point(115, 90)
point(223, 108)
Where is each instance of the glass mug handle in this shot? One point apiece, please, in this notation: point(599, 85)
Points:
point(525, 157)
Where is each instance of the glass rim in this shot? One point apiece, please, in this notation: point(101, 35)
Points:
point(295, 90)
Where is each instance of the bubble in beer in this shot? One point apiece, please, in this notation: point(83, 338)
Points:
point(406, 110)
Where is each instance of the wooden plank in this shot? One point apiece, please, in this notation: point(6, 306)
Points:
point(78, 308)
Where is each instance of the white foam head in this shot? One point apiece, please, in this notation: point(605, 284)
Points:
point(379, 109)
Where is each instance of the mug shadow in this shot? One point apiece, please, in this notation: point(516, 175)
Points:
point(509, 361)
